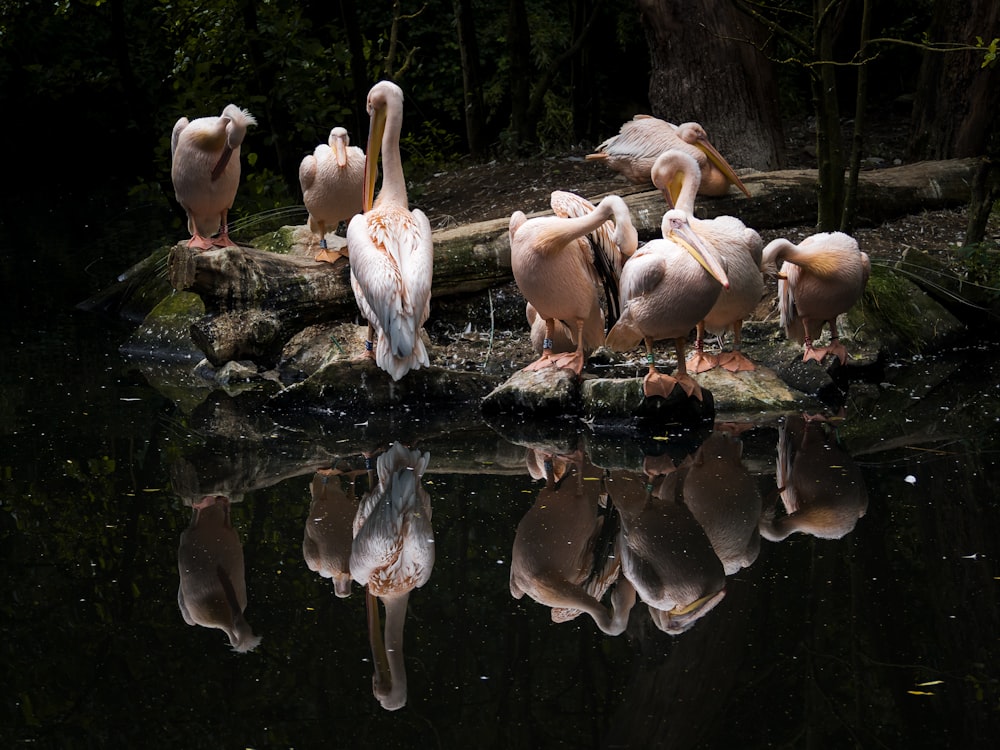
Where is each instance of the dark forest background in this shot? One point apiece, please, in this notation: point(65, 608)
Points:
point(90, 89)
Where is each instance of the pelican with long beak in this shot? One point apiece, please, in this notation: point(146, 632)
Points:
point(392, 257)
point(676, 174)
point(666, 288)
point(332, 178)
point(642, 139)
point(205, 170)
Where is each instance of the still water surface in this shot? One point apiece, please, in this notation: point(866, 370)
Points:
point(132, 520)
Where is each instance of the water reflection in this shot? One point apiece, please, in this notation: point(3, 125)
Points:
point(392, 554)
point(329, 529)
point(820, 485)
point(565, 548)
point(213, 591)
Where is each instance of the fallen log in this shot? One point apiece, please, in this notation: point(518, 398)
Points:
point(256, 300)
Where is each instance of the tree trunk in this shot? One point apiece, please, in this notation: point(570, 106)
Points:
point(703, 70)
point(519, 49)
point(829, 149)
point(472, 86)
point(860, 125)
point(957, 99)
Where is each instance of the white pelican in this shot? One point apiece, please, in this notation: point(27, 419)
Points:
point(205, 169)
point(676, 174)
point(666, 288)
point(329, 530)
point(392, 554)
point(565, 549)
point(724, 498)
point(332, 178)
point(560, 264)
point(213, 589)
point(392, 258)
point(820, 485)
point(818, 279)
point(667, 557)
point(643, 138)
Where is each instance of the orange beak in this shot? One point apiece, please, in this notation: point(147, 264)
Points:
point(375, 131)
point(716, 158)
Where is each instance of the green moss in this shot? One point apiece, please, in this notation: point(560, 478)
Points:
point(279, 241)
point(889, 305)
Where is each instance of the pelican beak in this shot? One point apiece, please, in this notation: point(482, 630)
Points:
point(383, 676)
point(716, 158)
point(340, 152)
point(672, 190)
point(689, 240)
point(375, 130)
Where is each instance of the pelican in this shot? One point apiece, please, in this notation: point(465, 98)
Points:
point(332, 178)
point(667, 287)
point(326, 543)
point(392, 258)
point(818, 279)
point(667, 557)
point(392, 554)
point(820, 485)
point(213, 590)
point(675, 173)
point(205, 169)
point(724, 498)
point(565, 549)
point(643, 138)
point(560, 263)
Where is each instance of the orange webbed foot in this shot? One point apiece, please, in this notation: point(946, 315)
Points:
point(658, 384)
point(701, 362)
point(736, 362)
point(325, 255)
point(813, 353)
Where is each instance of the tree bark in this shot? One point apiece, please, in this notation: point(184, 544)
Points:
point(957, 99)
point(707, 66)
point(472, 85)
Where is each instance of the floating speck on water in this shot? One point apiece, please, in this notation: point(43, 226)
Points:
point(910, 479)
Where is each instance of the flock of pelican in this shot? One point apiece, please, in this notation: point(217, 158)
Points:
point(585, 279)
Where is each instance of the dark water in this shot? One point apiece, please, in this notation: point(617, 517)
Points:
point(883, 635)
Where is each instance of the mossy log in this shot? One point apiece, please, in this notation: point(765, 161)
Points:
point(256, 300)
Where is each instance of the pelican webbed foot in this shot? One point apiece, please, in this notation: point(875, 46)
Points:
point(658, 384)
point(197, 242)
point(811, 352)
point(325, 255)
point(736, 362)
point(701, 362)
point(569, 361)
point(838, 350)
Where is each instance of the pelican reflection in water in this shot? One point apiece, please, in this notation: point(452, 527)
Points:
point(564, 554)
point(392, 554)
point(329, 530)
point(213, 591)
point(666, 553)
point(821, 488)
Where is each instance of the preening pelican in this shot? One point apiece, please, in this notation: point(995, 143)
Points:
point(667, 286)
point(820, 484)
point(332, 178)
point(392, 554)
point(213, 589)
point(675, 173)
point(205, 169)
point(643, 138)
point(561, 262)
point(392, 258)
point(565, 549)
point(818, 279)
